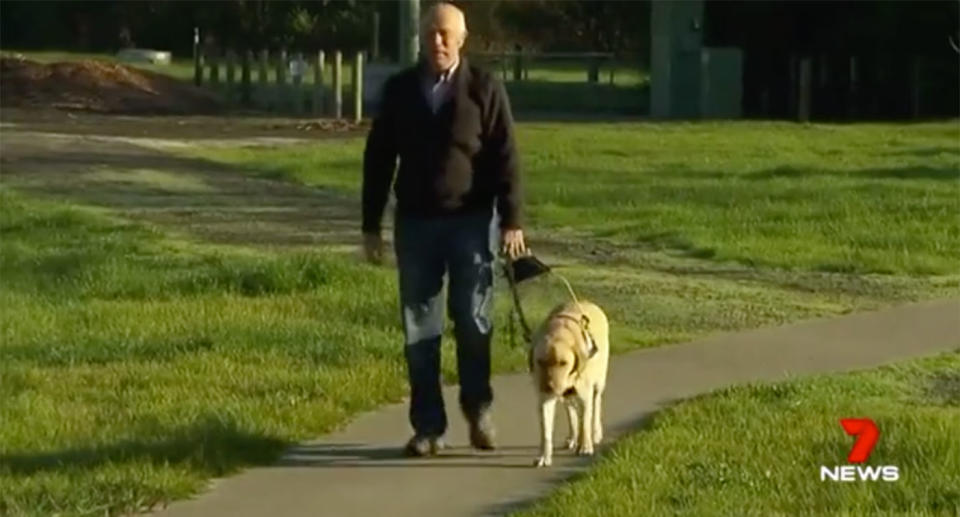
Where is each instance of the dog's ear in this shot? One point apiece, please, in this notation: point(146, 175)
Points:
point(579, 360)
point(590, 344)
point(588, 341)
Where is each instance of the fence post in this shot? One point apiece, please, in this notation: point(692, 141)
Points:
point(231, 73)
point(593, 73)
point(197, 58)
point(281, 79)
point(245, 77)
point(214, 68)
point(338, 84)
point(264, 89)
point(358, 88)
point(319, 106)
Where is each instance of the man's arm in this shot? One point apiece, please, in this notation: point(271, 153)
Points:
point(379, 162)
point(504, 162)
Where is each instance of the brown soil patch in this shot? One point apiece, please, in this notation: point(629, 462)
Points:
point(99, 86)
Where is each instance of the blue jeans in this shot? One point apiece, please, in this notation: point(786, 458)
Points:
point(462, 248)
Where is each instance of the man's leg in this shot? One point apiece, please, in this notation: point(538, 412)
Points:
point(470, 304)
point(420, 267)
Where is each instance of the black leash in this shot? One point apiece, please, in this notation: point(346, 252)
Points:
point(517, 311)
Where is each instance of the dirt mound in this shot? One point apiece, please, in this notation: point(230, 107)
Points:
point(100, 87)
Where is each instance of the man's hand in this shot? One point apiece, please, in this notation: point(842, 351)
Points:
point(373, 247)
point(513, 245)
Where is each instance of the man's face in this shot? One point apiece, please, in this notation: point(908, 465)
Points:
point(443, 35)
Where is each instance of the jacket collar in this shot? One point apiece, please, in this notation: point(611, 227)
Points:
point(460, 72)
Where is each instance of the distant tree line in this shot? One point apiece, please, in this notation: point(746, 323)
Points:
point(106, 26)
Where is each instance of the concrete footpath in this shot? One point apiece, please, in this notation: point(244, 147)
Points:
point(358, 471)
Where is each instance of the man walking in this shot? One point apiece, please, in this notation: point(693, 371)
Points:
point(458, 183)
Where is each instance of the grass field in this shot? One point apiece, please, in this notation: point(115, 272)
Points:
point(138, 362)
point(625, 72)
point(757, 450)
point(552, 85)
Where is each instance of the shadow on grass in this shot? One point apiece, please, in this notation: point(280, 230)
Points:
point(106, 352)
point(684, 174)
point(212, 445)
point(213, 201)
point(910, 172)
point(944, 388)
point(834, 279)
point(574, 97)
point(926, 152)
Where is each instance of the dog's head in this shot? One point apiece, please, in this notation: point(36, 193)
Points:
point(560, 356)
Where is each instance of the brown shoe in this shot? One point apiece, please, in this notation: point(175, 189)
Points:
point(482, 433)
point(422, 446)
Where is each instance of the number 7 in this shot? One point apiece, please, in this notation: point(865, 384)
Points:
point(867, 434)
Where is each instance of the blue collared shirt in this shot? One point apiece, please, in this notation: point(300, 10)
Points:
point(438, 91)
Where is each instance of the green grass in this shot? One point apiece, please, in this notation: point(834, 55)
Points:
point(135, 367)
point(757, 449)
point(561, 86)
point(828, 198)
point(136, 362)
point(625, 73)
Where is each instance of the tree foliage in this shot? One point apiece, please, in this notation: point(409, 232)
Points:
point(545, 25)
point(346, 24)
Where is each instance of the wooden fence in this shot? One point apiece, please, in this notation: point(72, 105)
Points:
point(290, 92)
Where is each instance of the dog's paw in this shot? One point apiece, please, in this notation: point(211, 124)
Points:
point(585, 449)
point(571, 443)
point(597, 436)
point(542, 461)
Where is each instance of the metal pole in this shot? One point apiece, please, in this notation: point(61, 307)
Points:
point(409, 31)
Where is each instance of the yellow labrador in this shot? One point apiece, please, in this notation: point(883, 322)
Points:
point(568, 360)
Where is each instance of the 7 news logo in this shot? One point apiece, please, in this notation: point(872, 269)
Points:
point(867, 435)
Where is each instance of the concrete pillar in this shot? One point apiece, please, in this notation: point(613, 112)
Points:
point(676, 40)
point(375, 38)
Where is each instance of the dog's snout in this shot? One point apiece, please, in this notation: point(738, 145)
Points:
point(552, 385)
point(547, 384)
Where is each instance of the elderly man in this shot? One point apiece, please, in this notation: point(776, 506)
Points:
point(458, 183)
